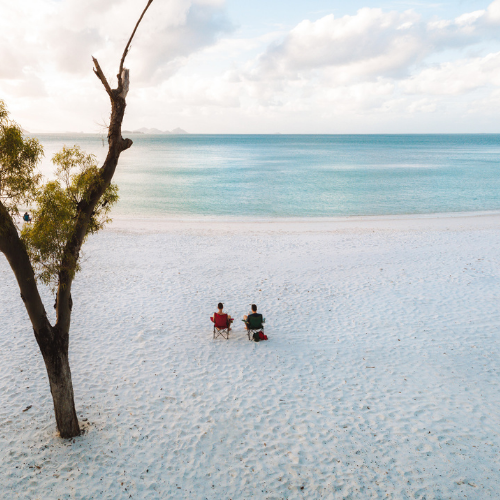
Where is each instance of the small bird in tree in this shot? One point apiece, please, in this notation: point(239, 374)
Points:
point(67, 210)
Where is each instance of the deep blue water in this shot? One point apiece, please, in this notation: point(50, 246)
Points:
point(301, 175)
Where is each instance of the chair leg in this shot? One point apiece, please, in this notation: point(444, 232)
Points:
point(251, 332)
point(223, 332)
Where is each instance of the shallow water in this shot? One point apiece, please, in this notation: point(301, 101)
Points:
point(300, 175)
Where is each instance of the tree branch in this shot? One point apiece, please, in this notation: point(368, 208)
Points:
point(15, 252)
point(100, 75)
point(125, 52)
point(116, 145)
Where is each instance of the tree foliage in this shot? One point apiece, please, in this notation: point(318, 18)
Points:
point(55, 202)
point(56, 210)
point(19, 157)
point(66, 211)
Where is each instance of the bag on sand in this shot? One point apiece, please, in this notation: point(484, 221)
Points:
point(258, 336)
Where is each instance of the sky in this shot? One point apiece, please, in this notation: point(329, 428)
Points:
point(260, 66)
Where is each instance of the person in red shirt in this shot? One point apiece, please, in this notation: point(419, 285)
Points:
point(220, 306)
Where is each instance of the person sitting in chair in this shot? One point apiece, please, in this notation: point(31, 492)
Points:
point(253, 314)
point(220, 306)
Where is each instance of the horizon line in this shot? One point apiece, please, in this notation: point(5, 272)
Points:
point(267, 133)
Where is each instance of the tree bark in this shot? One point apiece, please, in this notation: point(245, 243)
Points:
point(53, 342)
point(56, 360)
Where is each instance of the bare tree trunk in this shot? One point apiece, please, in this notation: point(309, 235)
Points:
point(54, 340)
point(56, 360)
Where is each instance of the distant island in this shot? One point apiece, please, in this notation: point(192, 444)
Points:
point(145, 130)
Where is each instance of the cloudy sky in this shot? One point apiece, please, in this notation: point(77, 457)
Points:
point(256, 66)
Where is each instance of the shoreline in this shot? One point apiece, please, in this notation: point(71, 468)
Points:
point(452, 221)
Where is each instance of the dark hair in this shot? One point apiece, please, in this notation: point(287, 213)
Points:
point(220, 305)
point(254, 308)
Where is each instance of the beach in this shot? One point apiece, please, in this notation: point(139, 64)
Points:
point(380, 377)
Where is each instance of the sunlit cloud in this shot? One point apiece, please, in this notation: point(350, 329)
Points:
point(190, 67)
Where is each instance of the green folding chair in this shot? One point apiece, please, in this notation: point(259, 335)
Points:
point(254, 324)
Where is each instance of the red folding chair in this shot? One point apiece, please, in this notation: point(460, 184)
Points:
point(221, 325)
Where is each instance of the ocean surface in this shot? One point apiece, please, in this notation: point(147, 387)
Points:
point(269, 176)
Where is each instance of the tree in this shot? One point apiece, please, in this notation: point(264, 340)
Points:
point(68, 210)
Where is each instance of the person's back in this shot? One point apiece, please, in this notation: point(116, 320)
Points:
point(222, 319)
point(254, 319)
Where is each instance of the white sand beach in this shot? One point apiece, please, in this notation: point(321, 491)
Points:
point(380, 378)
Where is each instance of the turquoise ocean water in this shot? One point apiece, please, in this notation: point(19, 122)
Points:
point(268, 176)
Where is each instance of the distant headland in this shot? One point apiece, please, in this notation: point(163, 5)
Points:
point(145, 130)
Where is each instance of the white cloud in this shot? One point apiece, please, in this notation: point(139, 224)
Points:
point(368, 68)
point(368, 35)
point(374, 62)
point(370, 44)
point(493, 13)
point(458, 77)
point(48, 35)
point(46, 47)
